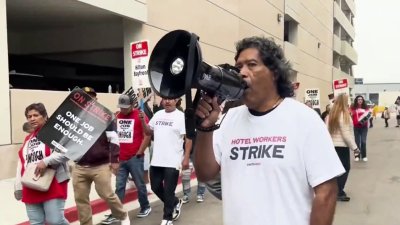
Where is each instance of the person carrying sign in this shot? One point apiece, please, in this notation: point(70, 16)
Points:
point(41, 206)
point(168, 128)
point(360, 113)
point(94, 166)
point(133, 143)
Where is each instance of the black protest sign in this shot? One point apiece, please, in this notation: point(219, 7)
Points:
point(76, 125)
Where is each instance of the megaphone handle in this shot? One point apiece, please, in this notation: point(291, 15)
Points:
point(199, 120)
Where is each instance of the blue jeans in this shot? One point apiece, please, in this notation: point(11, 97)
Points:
point(133, 166)
point(51, 212)
point(360, 136)
point(201, 187)
point(186, 175)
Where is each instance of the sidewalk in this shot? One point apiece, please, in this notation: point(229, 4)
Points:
point(374, 188)
point(13, 212)
point(208, 212)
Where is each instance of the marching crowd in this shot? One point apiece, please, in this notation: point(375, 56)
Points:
point(286, 153)
point(119, 150)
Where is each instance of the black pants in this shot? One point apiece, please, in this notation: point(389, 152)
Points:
point(163, 183)
point(386, 122)
point(344, 156)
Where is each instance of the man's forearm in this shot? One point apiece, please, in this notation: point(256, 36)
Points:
point(144, 145)
point(324, 203)
point(146, 128)
point(188, 147)
point(204, 160)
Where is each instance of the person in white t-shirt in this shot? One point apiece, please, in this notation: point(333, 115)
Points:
point(277, 160)
point(168, 128)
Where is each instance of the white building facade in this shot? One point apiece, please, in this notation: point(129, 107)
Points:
point(68, 43)
point(382, 94)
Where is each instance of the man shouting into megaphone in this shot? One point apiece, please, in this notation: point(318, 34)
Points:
point(275, 167)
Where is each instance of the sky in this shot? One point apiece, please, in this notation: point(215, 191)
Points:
point(377, 41)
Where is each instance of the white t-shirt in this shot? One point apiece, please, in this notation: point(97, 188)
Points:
point(169, 130)
point(33, 151)
point(270, 164)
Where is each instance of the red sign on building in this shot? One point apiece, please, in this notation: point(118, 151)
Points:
point(339, 84)
point(139, 49)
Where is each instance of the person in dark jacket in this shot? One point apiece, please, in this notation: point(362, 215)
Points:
point(96, 167)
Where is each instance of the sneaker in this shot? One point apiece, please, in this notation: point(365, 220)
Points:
point(356, 159)
point(365, 159)
point(126, 221)
point(177, 210)
point(343, 198)
point(109, 220)
point(166, 222)
point(144, 212)
point(185, 199)
point(200, 198)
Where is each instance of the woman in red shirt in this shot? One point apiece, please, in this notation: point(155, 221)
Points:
point(41, 206)
point(360, 114)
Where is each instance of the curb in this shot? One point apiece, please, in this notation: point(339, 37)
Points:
point(99, 205)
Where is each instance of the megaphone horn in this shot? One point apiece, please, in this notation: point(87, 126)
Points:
point(176, 66)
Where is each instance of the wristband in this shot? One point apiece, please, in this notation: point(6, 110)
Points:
point(208, 129)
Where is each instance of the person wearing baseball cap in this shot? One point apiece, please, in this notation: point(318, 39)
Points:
point(133, 143)
point(90, 91)
point(94, 166)
point(125, 102)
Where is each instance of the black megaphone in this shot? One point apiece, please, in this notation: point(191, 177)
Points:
point(176, 66)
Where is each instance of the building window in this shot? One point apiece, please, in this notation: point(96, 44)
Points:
point(374, 97)
point(290, 30)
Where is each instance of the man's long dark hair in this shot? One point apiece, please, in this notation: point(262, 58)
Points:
point(273, 58)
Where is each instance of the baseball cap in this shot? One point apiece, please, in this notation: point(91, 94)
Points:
point(125, 101)
point(90, 90)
